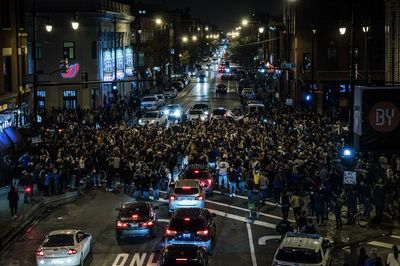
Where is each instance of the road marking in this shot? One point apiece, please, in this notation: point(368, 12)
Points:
point(163, 220)
point(241, 218)
point(380, 244)
point(252, 250)
point(262, 241)
point(394, 236)
point(244, 209)
point(138, 259)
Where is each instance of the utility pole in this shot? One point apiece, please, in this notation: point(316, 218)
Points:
point(352, 74)
point(137, 28)
point(35, 109)
point(288, 29)
point(115, 48)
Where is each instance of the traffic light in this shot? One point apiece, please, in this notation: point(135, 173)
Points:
point(64, 65)
point(85, 79)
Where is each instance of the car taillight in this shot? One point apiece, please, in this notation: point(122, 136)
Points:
point(186, 219)
point(71, 251)
point(186, 187)
point(181, 260)
point(172, 197)
point(209, 181)
point(121, 224)
point(148, 224)
point(40, 253)
point(169, 232)
point(203, 232)
point(135, 217)
point(28, 189)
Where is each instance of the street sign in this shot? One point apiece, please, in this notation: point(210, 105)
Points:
point(288, 65)
point(349, 178)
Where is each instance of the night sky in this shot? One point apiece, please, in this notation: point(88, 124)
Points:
point(224, 13)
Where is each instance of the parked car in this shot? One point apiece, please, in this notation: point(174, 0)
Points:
point(153, 117)
point(248, 93)
point(196, 114)
point(161, 99)
point(170, 93)
point(151, 102)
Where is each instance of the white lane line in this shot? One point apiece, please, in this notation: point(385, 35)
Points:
point(241, 218)
point(380, 244)
point(229, 82)
point(252, 250)
point(244, 209)
point(163, 220)
point(394, 236)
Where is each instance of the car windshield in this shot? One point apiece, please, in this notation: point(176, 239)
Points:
point(150, 115)
point(129, 212)
point(148, 99)
point(196, 175)
point(60, 240)
point(219, 112)
point(193, 223)
point(186, 191)
point(200, 106)
point(196, 112)
point(299, 255)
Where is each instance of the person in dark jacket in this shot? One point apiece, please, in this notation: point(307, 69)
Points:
point(233, 179)
point(285, 204)
point(284, 227)
point(13, 199)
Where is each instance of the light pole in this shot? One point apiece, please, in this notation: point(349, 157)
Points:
point(366, 30)
point(314, 31)
point(260, 32)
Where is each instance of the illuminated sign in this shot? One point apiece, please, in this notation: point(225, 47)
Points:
point(120, 64)
point(129, 62)
point(73, 71)
point(108, 65)
point(6, 120)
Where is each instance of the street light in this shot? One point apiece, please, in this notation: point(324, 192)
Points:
point(159, 21)
point(342, 30)
point(198, 29)
point(261, 30)
point(194, 38)
point(206, 28)
point(75, 22)
point(48, 26)
point(365, 29)
point(245, 22)
point(314, 31)
point(185, 39)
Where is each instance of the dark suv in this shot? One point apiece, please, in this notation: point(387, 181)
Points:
point(194, 226)
point(136, 219)
point(183, 254)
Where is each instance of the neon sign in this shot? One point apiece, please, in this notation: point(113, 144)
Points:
point(108, 65)
point(120, 64)
point(129, 62)
point(73, 71)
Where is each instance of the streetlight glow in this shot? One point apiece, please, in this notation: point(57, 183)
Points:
point(261, 30)
point(159, 21)
point(206, 28)
point(342, 30)
point(49, 27)
point(365, 29)
point(245, 22)
point(314, 30)
point(185, 39)
point(75, 23)
point(194, 38)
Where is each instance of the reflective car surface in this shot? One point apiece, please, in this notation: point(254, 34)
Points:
point(186, 194)
point(193, 226)
point(183, 254)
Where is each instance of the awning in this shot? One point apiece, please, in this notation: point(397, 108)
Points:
point(5, 142)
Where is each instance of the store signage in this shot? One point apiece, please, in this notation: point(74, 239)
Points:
point(129, 62)
point(6, 121)
point(73, 71)
point(108, 65)
point(120, 64)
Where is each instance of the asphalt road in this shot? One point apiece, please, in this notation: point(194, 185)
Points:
point(237, 241)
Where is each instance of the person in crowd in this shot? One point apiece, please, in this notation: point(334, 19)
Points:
point(309, 228)
point(373, 259)
point(284, 227)
point(393, 258)
point(233, 179)
point(362, 256)
point(13, 199)
point(223, 167)
point(263, 187)
point(285, 204)
point(337, 205)
point(296, 203)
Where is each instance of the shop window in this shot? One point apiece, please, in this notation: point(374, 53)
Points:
point(41, 99)
point(70, 99)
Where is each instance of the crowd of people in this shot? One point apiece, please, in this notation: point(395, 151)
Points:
point(292, 157)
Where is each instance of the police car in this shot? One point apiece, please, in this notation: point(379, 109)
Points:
point(299, 249)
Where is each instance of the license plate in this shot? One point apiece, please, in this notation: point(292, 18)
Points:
point(135, 225)
point(186, 235)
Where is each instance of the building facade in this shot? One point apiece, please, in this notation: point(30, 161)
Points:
point(98, 51)
point(13, 64)
point(392, 43)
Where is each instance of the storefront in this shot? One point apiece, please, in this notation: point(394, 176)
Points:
point(70, 99)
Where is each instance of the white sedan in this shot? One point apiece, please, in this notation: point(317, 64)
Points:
point(64, 247)
point(248, 93)
point(153, 117)
point(195, 114)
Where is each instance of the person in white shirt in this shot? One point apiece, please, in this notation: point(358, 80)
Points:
point(393, 258)
point(223, 167)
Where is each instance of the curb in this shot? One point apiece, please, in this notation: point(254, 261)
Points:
point(360, 241)
point(10, 236)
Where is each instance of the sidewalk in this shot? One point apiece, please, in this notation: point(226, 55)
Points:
point(28, 212)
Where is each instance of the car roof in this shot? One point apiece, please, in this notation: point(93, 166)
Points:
point(301, 240)
point(182, 213)
point(187, 182)
point(255, 105)
point(64, 232)
point(134, 205)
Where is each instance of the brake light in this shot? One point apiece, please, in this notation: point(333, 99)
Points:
point(186, 187)
point(209, 181)
point(172, 197)
point(203, 232)
point(121, 224)
point(181, 260)
point(199, 198)
point(40, 253)
point(196, 171)
point(186, 219)
point(135, 217)
point(71, 251)
point(28, 189)
point(169, 232)
point(148, 224)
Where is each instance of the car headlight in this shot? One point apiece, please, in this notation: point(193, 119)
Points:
point(140, 121)
point(202, 118)
point(177, 113)
point(152, 121)
point(206, 112)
